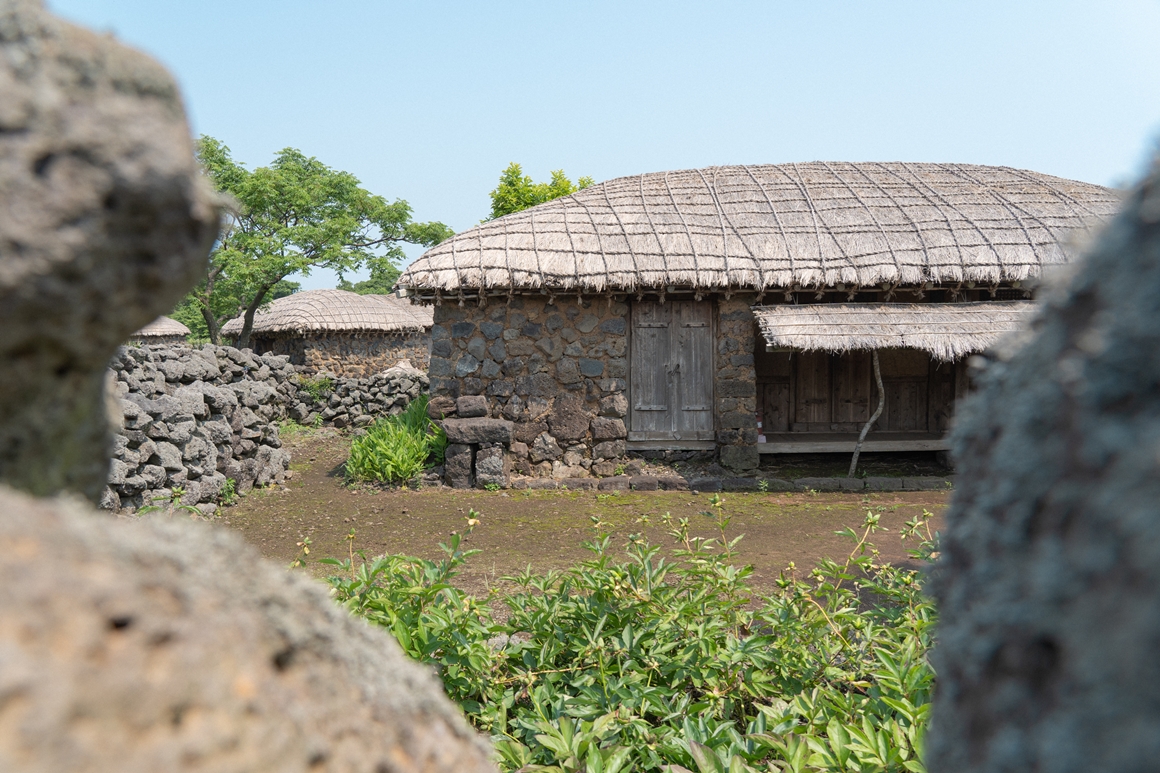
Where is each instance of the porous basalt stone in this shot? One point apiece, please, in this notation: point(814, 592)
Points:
point(1049, 582)
point(177, 648)
point(478, 431)
point(106, 223)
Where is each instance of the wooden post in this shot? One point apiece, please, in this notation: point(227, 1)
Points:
point(874, 418)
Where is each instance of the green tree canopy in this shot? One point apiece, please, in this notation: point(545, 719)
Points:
point(290, 217)
point(517, 191)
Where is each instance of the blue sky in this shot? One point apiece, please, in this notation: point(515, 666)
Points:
point(430, 101)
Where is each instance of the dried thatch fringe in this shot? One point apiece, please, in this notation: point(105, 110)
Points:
point(162, 327)
point(335, 311)
point(776, 226)
point(947, 331)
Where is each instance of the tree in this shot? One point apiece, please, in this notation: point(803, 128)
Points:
point(517, 191)
point(291, 217)
point(382, 281)
point(226, 306)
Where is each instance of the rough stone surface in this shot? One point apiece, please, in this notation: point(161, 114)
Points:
point(492, 467)
point(458, 461)
point(471, 406)
point(176, 647)
point(1049, 581)
point(105, 223)
point(478, 430)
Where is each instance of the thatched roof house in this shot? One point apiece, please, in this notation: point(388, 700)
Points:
point(826, 257)
point(341, 332)
point(162, 330)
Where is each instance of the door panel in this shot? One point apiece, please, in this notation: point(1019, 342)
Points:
point(671, 376)
point(852, 386)
point(693, 375)
point(651, 400)
point(775, 407)
point(813, 389)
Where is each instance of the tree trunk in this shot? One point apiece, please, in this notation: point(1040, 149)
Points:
point(874, 418)
point(243, 341)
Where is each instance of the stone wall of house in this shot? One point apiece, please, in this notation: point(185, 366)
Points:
point(353, 356)
point(736, 383)
point(555, 371)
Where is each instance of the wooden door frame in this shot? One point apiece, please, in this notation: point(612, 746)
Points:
point(672, 445)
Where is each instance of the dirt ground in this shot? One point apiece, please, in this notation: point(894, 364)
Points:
point(544, 529)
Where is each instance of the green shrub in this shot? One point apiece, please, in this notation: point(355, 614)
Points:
point(652, 664)
point(397, 448)
point(317, 387)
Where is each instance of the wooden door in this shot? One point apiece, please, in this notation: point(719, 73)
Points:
point(671, 372)
point(812, 404)
point(853, 384)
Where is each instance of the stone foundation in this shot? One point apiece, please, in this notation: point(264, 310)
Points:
point(353, 356)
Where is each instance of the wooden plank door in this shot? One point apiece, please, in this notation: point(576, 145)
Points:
point(693, 374)
point(853, 383)
point(671, 371)
point(650, 372)
point(812, 392)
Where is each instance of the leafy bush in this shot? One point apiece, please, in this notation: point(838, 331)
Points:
point(653, 664)
point(397, 448)
point(317, 387)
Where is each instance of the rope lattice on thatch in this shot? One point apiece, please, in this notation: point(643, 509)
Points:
point(162, 327)
point(776, 226)
point(947, 331)
point(331, 311)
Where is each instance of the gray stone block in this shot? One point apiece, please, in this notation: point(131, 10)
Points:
point(644, 483)
point(829, 484)
point(471, 406)
point(740, 484)
point(672, 483)
point(705, 484)
point(616, 483)
point(458, 461)
point(883, 484)
point(466, 431)
point(492, 467)
point(926, 484)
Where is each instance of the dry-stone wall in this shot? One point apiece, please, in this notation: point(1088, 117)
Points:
point(354, 356)
point(191, 419)
point(544, 380)
point(736, 387)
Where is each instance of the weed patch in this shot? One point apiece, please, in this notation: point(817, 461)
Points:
point(395, 449)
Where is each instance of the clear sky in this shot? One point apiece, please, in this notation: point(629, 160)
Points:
point(429, 101)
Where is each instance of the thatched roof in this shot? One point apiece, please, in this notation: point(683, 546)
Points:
point(329, 311)
point(775, 226)
point(946, 330)
point(162, 327)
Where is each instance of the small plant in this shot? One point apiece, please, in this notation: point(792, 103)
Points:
point(396, 449)
point(619, 469)
point(763, 485)
point(491, 486)
point(317, 387)
point(229, 492)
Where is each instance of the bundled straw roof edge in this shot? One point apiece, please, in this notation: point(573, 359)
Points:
point(947, 331)
point(776, 227)
point(162, 327)
point(335, 311)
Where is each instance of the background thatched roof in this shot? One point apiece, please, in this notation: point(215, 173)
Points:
point(946, 330)
point(328, 311)
point(162, 327)
point(761, 227)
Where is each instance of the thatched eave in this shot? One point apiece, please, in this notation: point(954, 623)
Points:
point(948, 331)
